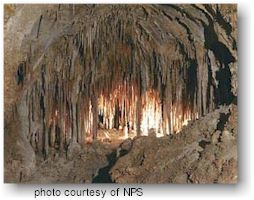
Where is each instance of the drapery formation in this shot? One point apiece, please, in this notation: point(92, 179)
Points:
point(130, 67)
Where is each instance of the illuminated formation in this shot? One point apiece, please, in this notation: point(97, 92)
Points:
point(118, 110)
point(118, 77)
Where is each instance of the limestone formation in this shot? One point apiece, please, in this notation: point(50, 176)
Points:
point(72, 71)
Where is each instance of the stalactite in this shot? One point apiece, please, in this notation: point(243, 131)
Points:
point(119, 72)
point(95, 115)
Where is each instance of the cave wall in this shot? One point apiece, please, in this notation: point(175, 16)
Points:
point(71, 55)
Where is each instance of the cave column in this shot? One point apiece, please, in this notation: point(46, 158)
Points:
point(138, 116)
point(95, 115)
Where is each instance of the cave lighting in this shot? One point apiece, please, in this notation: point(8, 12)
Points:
point(118, 111)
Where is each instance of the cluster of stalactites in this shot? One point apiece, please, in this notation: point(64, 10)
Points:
point(118, 110)
point(119, 74)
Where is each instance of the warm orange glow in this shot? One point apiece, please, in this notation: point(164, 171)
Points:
point(151, 113)
point(88, 123)
point(118, 114)
point(118, 110)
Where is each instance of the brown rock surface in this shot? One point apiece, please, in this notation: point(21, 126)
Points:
point(58, 61)
point(192, 156)
point(81, 165)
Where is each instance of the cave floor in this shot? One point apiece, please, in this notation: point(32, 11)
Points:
point(113, 138)
point(88, 163)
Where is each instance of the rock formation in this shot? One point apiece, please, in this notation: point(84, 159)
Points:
point(72, 70)
point(204, 152)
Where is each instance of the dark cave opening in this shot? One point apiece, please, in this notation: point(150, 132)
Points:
point(223, 93)
point(103, 175)
point(222, 121)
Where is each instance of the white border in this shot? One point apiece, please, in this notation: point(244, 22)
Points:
point(244, 189)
